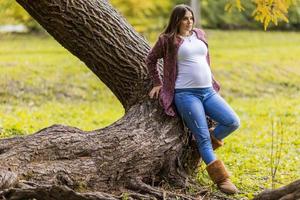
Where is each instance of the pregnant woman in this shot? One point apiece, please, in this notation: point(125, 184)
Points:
point(189, 89)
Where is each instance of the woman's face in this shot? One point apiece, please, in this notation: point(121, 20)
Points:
point(186, 24)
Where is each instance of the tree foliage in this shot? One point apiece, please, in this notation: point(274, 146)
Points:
point(144, 16)
point(266, 11)
point(215, 16)
point(13, 13)
point(149, 17)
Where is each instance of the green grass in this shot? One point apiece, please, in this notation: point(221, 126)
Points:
point(260, 77)
point(42, 84)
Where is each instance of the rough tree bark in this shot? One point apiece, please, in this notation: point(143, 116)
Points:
point(142, 149)
point(136, 154)
point(288, 192)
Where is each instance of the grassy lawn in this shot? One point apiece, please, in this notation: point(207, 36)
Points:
point(41, 84)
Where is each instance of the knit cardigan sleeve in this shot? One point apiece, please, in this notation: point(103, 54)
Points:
point(151, 61)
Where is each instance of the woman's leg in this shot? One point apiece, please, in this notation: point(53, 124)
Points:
point(217, 108)
point(191, 110)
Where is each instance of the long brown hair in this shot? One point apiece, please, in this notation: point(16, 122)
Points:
point(176, 16)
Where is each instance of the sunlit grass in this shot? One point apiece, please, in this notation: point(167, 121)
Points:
point(42, 84)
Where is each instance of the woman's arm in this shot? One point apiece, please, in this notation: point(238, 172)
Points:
point(151, 61)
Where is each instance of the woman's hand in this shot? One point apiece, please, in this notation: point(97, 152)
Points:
point(155, 92)
point(216, 85)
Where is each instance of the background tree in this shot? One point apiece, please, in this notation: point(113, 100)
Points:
point(195, 4)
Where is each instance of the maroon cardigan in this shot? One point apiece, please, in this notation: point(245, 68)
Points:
point(162, 49)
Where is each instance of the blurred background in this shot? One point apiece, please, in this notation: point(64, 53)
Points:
point(42, 84)
point(152, 16)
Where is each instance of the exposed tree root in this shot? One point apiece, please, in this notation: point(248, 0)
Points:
point(7, 179)
point(53, 193)
point(288, 192)
point(159, 193)
point(140, 191)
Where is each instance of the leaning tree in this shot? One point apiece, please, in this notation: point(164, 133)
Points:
point(143, 149)
point(137, 154)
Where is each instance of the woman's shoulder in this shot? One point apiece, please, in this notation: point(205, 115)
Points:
point(199, 31)
point(163, 36)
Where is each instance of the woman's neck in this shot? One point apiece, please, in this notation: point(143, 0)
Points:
point(185, 33)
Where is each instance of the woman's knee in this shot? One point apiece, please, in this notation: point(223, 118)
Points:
point(235, 123)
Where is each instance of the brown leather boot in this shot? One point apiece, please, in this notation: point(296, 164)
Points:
point(220, 176)
point(215, 142)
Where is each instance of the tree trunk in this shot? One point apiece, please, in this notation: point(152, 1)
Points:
point(145, 148)
point(196, 6)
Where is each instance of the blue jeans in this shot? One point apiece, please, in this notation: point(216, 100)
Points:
point(193, 104)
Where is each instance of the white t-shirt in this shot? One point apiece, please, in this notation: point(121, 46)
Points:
point(193, 70)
